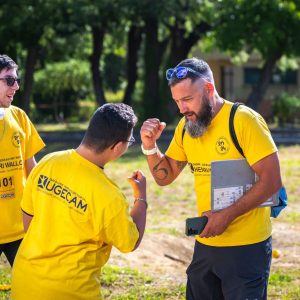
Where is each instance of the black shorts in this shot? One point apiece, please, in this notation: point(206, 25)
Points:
point(231, 273)
point(10, 250)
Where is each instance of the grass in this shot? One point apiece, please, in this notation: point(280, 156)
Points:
point(4, 280)
point(179, 200)
point(124, 283)
point(284, 284)
point(61, 127)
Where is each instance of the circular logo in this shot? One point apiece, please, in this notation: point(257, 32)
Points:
point(222, 145)
point(16, 139)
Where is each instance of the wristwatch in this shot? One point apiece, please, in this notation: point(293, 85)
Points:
point(149, 152)
point(141, 199)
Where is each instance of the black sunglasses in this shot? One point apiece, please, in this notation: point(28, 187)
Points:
point(10, 81)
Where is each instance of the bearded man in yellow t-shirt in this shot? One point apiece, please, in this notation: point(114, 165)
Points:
point(232, 255)
point(77, 214)
point(19, 142)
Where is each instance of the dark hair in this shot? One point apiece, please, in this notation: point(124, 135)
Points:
point(198, 65)
point(110, 124)
point(7, 63)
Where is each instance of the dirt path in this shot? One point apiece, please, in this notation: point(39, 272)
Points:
point(169, 255)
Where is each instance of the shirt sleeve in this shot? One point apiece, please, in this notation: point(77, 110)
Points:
point(120, 230)
point(33, 142)
point(176, 149)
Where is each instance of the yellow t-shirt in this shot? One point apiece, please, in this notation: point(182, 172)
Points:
point(19, 141)
point(216, 144)
point(78, 215)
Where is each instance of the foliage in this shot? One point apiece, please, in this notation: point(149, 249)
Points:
point(59, 87)
point(51, 31)
point(285, 107)
point(266, 26)
point(113, 72)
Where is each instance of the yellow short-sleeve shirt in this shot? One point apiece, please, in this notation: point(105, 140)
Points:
point(216, 144)
point(78, 215)
point(19, 141)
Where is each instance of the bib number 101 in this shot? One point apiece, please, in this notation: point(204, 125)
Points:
point(6, 182)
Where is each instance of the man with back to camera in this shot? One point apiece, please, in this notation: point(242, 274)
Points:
point(232, 255)
point(76, 213)
point(19, 142)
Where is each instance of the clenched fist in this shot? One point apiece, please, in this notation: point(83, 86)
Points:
point(151, 131)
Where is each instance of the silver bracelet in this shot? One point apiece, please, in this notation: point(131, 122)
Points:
point(141, 199)
point(150, 151)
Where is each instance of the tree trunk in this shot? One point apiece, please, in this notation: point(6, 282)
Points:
point(32, 55)
point(133, 46)
point(98, 37)
point(180, 47)
point(258, 91)
point(153, 55)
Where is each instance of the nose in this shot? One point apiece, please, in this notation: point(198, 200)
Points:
point(16, 86)
point(182, 107)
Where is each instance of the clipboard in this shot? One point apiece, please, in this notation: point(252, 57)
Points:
point(230, 180)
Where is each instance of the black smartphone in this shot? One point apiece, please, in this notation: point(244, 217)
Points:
point(194, 226)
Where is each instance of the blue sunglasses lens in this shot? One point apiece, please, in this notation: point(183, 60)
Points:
point(169, 73)
point(181, 72)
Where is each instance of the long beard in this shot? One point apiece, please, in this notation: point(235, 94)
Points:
point(199, 127)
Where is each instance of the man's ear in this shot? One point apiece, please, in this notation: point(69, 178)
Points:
point(209, 88)
point(116, 147)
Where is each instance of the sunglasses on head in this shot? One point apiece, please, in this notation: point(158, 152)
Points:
point(180, 72)
point(10, 81)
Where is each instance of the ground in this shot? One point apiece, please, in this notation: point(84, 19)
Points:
point(168, 256)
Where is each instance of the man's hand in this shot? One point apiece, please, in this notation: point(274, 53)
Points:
point(151, 131)
point(138, 184)
point(216, 224)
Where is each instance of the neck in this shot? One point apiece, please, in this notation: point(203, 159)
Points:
point(218, 103)
point(97, 159)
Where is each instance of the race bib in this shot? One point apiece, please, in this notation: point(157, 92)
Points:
point(7, 187)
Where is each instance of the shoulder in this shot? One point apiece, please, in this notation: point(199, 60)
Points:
point(16, 110)
point(246, 112)
point(18, 114)
point(55, 156)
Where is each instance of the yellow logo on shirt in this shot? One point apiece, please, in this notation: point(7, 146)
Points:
point(222, 145)
point(62, 192)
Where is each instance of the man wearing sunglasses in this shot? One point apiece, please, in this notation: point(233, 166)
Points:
point(19, 142)
point(77, 214)
point(232, 255)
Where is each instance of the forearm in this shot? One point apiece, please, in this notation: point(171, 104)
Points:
point(138, 214)
point(29, 165)
point(160, 168)
point(26, 220)
point(258, 194)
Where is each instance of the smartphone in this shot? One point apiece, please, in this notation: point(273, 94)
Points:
point(194, 226)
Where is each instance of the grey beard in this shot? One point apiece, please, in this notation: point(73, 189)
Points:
point(198, 128)
point(195, 129)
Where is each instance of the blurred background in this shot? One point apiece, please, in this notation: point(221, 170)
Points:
point(75, 55)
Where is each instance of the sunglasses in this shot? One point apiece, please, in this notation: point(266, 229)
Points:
point(180, 72)
point(10, 81)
